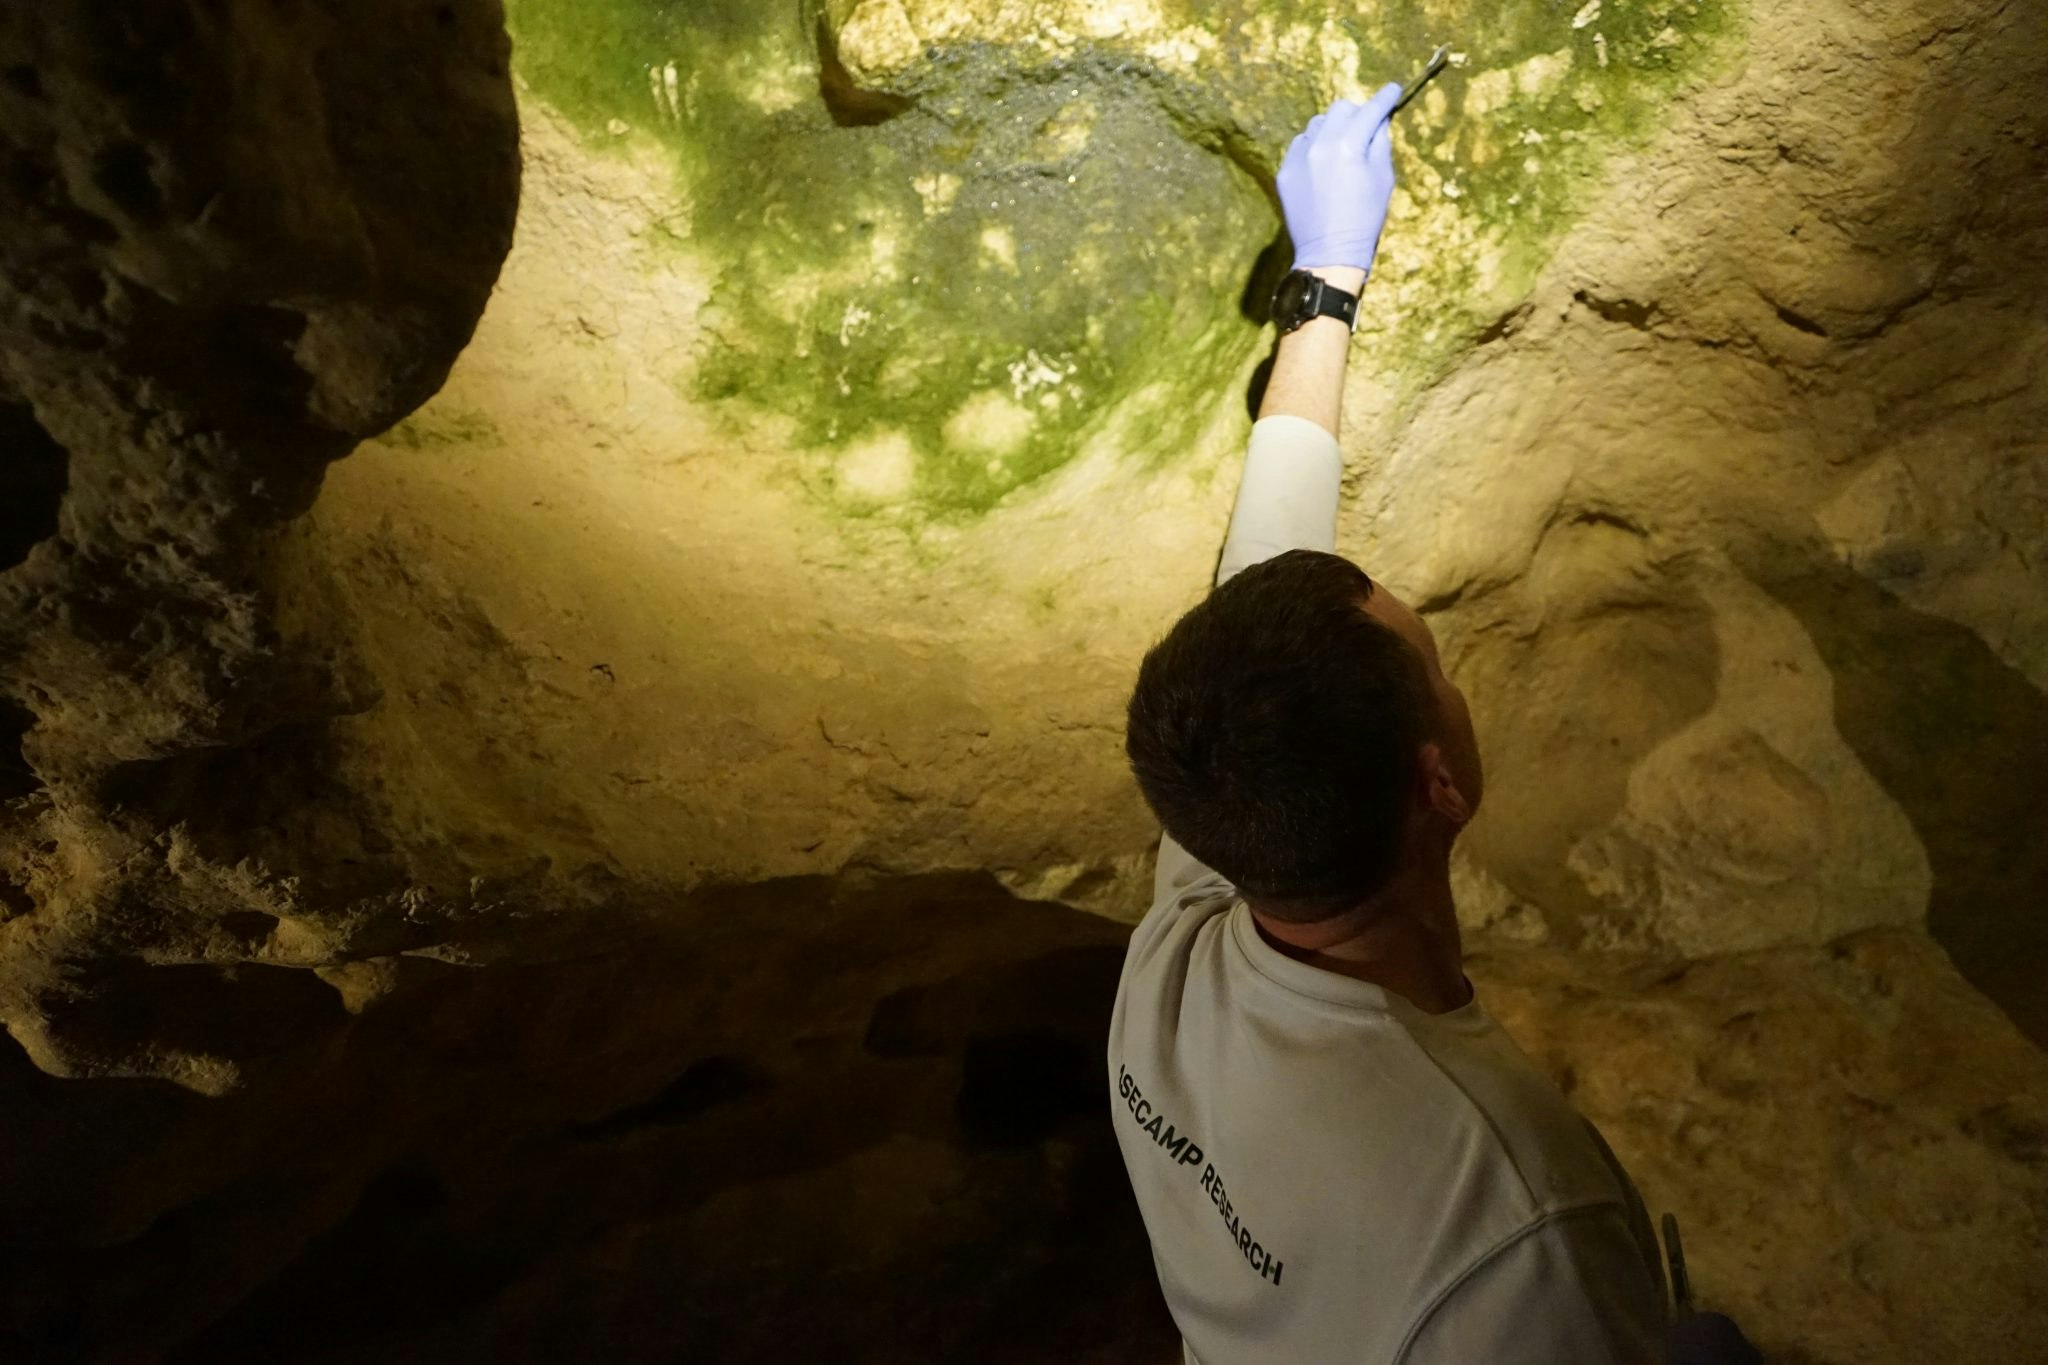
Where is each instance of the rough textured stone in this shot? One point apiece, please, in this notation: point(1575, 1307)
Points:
point(411, 911)
point(238, 239)
point(1827, 1124)
point(1637, 495)
point(910, 1158)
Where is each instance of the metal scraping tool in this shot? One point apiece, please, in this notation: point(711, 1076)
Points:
point(1437, 60)
point(1681, 1283)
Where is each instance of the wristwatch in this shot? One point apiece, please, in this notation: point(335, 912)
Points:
point(1302, 298)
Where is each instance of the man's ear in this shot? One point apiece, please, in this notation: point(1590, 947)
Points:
point(1440, 787)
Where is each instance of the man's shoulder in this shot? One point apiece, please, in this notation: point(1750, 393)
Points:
point(1555, 1154)
point(1179, 910)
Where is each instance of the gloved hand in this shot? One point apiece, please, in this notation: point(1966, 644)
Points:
point(1336, 181)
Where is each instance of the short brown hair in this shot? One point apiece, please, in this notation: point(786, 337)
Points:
point(1274, 733)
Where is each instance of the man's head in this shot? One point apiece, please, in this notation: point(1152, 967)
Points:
point(1295, 731)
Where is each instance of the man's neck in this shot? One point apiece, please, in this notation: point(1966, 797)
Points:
point(1404, 940)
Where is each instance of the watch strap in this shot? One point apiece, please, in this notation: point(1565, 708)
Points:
point(1304, 297)
point(1332, 302)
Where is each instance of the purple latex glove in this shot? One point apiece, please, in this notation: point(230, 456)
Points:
point(1336, 181)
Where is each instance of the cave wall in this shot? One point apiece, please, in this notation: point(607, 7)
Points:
point(414, 867)
point(238, 241)
point(1694, 405)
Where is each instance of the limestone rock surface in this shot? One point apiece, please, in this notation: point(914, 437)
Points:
point(603, 862)
point(238, 239)
point(1695, 405)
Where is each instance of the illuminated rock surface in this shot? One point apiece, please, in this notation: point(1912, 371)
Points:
point(591, 880)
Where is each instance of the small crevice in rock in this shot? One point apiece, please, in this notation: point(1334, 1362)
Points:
point(1441, 601)
point(250, 926)
point(123, 173)
point(15, 900)
point(1595, 516)
point(1628, 312)
point(17, 778)
point(38, 475)
point(1799, 322)
point(851, 104)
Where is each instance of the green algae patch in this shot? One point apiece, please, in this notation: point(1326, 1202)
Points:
point(951, 241)
point(943, 293)
point(434, 426)
point(1502, 154)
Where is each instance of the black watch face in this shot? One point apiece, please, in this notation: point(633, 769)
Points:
point(1293, 300)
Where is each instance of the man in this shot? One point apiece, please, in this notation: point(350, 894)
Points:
point(1339, 1156)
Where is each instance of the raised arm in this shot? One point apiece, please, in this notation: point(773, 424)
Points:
point(1335, 185)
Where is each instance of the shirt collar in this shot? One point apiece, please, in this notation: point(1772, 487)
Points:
point(1335, 988)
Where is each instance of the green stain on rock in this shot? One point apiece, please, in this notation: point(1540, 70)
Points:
point(951, 279)
point(965, 274)
point(1503, 155)
point(979, 270)
point(437, 425)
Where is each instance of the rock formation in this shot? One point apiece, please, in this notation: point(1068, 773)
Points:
point(629, 860)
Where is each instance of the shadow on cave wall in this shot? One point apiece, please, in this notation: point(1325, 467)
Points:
point(17, 777)
point(38, 472)
point(1627, 657)
point(819, 1123)
point(1960, 740)
point(1954, 735)
point(1255, 305)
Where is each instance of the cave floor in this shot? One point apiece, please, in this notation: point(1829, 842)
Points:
point(1854, 1141)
